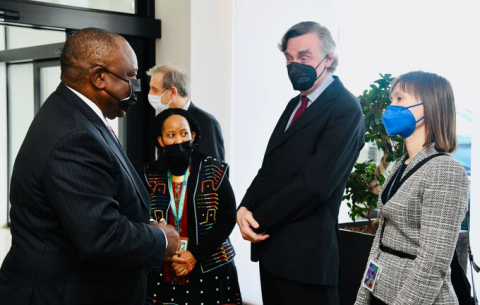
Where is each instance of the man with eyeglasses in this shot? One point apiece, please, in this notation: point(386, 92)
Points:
point(79, 212)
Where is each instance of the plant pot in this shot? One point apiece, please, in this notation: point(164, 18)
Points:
point(354, 251)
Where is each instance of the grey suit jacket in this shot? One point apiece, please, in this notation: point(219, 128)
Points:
point(79, 214)
point(424, 219)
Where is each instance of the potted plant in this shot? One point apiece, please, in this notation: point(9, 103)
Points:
point(363, 188)
point(365, 182)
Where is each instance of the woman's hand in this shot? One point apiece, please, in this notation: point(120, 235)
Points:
point(184, 269)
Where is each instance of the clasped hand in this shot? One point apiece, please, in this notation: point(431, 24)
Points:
point(173, 241)
point(246, 222)
point(182, 269)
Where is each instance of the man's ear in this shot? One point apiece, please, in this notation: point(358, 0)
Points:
point(330, 59)
point(174, 91)
point(97, 76)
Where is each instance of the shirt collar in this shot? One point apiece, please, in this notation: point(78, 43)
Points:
point(326, 82)
point(187, 105)
point(91, 104)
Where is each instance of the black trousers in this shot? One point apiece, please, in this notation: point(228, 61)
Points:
point(280, 291)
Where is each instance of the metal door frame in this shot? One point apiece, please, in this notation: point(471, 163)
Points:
point(142, 31)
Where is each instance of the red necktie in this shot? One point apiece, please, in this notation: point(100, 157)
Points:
point(300, 109)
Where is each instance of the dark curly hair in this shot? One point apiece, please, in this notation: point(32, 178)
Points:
point(162, 116)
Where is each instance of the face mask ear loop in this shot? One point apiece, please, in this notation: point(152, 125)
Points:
point(319, 66)
point(420, 119)
point(414, 105)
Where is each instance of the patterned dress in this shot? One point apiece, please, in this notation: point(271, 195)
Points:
point(210, 215)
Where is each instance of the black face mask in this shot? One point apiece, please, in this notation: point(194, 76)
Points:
point(135, 89)
point(303, 76)
point(178, 153)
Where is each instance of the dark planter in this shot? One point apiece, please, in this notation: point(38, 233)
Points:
point(354, 251)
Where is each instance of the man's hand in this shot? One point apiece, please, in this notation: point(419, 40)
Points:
point(184, 269)
point(173, 241)
point(246, 222)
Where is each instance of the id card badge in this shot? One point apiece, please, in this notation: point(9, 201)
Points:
point(371, 276)
point(183, 243)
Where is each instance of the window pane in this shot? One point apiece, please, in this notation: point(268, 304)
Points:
point(122, 6)
point(20, 105)
point(49, 80)
point(19, 37)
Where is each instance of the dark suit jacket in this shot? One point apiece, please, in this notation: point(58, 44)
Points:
point(211, 142)
point(297, 192)
point(79, 214)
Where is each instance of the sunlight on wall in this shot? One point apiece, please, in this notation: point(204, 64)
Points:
point(377, 36)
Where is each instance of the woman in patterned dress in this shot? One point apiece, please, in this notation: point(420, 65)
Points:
point(422, 203)
point(191, 191)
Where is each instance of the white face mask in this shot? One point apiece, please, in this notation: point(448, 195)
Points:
point(156, 102)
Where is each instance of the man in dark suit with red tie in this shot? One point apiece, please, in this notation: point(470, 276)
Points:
point(79, 212)
point(290, 211)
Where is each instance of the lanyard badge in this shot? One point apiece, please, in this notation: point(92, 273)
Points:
point(371, 275)
point(178, 216)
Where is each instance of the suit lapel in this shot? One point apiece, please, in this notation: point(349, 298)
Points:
point(109, 139)
point(279, 130)
point(280, 135)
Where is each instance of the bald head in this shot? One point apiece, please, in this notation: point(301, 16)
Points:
point(84, 50)
point(99, 65)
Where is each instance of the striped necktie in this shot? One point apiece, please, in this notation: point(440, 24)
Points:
point(112, 132)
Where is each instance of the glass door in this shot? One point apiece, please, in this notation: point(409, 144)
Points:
point(31, 40)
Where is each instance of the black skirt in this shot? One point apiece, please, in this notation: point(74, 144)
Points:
point(218, 286)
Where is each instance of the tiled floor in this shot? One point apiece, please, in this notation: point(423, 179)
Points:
point(5, 242)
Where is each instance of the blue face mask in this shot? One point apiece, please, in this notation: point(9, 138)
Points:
point(400, 120)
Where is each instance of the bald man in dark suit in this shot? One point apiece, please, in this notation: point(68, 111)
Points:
point(80, 215)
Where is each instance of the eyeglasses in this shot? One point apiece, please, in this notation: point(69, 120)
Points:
point(110, 72)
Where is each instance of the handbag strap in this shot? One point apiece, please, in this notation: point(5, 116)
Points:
point(418, 165)
point(393, 187)
point(473, 266)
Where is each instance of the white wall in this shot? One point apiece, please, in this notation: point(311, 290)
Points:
point(378, 36)
point(211, 67)
point(174, 46)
